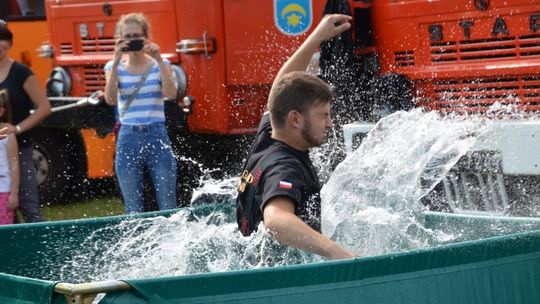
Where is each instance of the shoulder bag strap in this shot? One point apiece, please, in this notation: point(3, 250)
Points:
point(137, 88)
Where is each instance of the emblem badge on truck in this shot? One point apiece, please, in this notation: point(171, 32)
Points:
point(293, 17)
point(481, 4)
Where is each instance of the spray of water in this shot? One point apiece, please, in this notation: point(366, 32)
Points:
point(201, 239)
point(372, 200)
point(371, 204)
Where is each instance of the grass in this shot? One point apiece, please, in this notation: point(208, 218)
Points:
point(96, 207)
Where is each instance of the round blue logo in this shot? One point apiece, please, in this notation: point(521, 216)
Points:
point(293, 17)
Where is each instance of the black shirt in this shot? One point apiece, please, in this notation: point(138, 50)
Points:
point(21, 104)
point(275, 169)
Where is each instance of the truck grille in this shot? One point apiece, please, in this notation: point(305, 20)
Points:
point(94, 79)
point(404, 58)
point(491, 48)
point(66, 48)
point(91, 45)
point(477, 95)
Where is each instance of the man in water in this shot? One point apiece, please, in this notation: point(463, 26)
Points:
point(279, 184)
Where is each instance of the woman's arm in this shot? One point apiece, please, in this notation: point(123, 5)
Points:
point(167, 83)
point(13, 155)
point(41, 105)
point(111, 85)
point(111, 76)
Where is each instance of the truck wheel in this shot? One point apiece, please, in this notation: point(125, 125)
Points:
point(60, 164)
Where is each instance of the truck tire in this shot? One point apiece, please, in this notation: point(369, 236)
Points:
point(60, 164)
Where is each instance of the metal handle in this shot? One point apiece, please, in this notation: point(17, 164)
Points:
point(205, 45)
point(93, 100)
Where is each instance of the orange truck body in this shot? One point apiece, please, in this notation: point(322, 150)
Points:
point(446, 47)
point(477, 57)
point(454, 55)
point(24, 49)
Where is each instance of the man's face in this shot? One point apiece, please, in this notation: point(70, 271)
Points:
point(317, 123)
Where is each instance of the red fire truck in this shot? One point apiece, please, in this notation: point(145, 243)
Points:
point(224, 55)
point(458, 56)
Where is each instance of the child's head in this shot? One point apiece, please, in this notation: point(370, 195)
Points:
point(5, 107)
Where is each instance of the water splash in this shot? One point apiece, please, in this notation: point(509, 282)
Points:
point(194, 240)
point(372, 200)
point(371, 204)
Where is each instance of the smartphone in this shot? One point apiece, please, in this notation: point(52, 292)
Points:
point(134, 45)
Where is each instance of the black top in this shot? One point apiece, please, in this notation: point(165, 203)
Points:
point(275, 169)
point(21, 104)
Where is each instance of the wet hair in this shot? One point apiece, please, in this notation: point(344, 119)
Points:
point(296, 91)
point(4, 103)
point(5, 33)
point(136, 18)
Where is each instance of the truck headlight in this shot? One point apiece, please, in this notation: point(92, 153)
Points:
point(59, 82)
point(45, 50)
point(180, 79)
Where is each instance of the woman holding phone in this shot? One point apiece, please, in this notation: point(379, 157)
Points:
point(138, 82)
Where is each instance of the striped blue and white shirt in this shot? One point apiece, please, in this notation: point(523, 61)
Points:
point(5, 170)
point(148, 106)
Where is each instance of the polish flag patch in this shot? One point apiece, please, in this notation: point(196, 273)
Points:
point(285, 185)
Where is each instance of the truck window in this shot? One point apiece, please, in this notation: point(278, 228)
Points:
point(22, 10)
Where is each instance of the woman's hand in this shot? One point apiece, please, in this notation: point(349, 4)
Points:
point(120, 45)
point(3, 132)
point(9, 129)
point(13, 201)
point(151, 48)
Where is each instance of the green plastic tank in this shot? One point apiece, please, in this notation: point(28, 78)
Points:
point(487, 269)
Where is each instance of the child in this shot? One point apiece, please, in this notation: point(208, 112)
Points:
point(9, 166)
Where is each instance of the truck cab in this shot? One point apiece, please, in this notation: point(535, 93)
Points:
point(460, 58)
